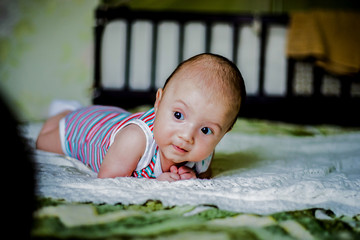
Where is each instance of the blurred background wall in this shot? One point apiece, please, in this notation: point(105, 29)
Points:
point(46, 46)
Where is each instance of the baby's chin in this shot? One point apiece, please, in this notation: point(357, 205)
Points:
point(183, 161)
point(179, 161)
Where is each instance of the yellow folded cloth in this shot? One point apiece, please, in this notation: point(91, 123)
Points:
point(331, 37)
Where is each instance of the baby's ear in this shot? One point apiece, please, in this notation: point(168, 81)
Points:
point(159, 95)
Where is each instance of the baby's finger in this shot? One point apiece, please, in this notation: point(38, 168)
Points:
point(184, 169)
point(173, 169)
point(175, 176)
point(187, 176)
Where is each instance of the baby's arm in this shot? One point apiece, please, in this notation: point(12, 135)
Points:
point(124, 154)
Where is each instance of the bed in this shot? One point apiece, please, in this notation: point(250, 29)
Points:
point(288, 170)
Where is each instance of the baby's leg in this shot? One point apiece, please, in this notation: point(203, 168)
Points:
point(49, 138)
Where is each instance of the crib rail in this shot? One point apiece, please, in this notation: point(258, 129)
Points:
point(314, 108)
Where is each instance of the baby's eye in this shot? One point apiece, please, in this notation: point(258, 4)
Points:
point(206, 130)
point(178, 115)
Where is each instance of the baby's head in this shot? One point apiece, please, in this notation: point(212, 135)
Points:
point(199, 103)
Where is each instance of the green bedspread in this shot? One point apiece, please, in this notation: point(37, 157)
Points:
point(58, 219)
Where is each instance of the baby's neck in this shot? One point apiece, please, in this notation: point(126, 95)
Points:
point(167, 163)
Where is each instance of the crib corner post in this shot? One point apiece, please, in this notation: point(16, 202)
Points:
point(290, 74)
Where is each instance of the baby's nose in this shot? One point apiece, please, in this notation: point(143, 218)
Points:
point(187, 135)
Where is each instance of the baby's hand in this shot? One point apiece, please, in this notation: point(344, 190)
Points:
point(175, 174)
point(186, 173)
point(169, 176)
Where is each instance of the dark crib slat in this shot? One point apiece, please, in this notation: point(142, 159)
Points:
point(290, 77)
point(98, 34)
point(318, 76)
point(128, 54)
point(181, 41)
point(235, 42)
point(208, 36)
point(263, 41)
point(154, 54)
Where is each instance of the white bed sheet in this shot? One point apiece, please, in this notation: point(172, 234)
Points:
point(290, 173)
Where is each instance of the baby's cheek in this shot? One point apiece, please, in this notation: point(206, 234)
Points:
point(160, 135)
point(203, 151)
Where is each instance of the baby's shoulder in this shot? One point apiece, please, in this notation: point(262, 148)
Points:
point(132, 137)
point(132, 130)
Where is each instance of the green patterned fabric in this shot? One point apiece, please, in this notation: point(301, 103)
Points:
point(58, 219)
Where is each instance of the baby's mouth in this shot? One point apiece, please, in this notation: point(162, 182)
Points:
point(179, 149)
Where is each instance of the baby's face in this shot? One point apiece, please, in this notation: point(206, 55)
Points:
point(189, 121)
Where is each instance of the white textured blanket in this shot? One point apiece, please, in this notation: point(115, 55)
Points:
point(272, 174)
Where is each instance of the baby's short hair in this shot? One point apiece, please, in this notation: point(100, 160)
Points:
point(225, 71)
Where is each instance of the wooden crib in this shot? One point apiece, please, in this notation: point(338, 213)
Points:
point(135, 51)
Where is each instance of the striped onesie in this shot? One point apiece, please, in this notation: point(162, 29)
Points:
point(87, 133)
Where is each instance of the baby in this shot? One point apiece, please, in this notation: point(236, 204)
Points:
point(174, 140)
